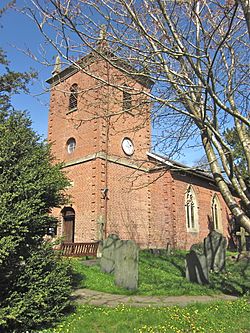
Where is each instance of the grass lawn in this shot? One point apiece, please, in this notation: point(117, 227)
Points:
point(165, 275)
point(219, 317)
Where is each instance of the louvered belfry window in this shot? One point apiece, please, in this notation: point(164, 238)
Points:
point(73, 97)
point(127, 100)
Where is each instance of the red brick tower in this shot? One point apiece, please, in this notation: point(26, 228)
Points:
point(99, 127)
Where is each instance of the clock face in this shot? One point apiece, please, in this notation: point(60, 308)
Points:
point(128, 146)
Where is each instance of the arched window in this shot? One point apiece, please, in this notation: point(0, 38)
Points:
point(191, 210)
point(73, 97)
point(71, 145)
point(216, 213)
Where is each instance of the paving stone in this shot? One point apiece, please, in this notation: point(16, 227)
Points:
point(95, 298)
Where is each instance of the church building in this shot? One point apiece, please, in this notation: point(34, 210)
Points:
point(99, 127)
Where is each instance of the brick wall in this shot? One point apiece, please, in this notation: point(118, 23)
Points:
point(162, 222)
point(128, 204)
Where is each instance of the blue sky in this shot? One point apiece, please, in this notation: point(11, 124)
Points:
point(19, 33)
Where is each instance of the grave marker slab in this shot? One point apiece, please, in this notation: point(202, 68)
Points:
point(126, 264)
point(215, 245)
point(107, 262)
point(196, 265)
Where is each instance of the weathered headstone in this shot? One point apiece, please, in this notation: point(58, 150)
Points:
point(126, 264)
point(196, 265)
point(215, 245)
point(244, 239)
point(107, 262)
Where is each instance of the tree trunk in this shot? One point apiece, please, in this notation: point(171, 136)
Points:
point(226, 193)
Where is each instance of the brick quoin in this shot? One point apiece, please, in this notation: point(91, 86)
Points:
point(112, 192)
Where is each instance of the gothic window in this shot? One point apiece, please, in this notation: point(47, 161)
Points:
point(73, 97)
point(127, 100)
point(216, 213)
point(191, 210)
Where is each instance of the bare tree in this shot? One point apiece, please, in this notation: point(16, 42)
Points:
point(245, 4)
point(195, 52)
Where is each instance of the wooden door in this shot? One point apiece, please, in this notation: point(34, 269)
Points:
point(68, 225)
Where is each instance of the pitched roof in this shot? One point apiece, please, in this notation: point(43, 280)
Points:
point(173, 165)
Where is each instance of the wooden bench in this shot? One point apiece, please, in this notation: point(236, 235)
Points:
point(79, 249)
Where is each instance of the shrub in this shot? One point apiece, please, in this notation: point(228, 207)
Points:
point(40, 294)
point(34, 283)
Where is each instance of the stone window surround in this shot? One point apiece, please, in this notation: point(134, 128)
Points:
point(71, 145)
point(191, 209)
point(216, 213)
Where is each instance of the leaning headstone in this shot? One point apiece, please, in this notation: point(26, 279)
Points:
point(126, 264)
point(107, 262)
point(196, 265)
point(215, 250)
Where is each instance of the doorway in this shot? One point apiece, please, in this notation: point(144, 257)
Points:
point(68, 214)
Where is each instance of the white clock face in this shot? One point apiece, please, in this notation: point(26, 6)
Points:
point(127, 146)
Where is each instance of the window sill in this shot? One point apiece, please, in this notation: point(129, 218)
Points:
point(220, 231)
point(71, 110)
point(193, 231)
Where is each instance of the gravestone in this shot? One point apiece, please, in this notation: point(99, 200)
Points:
point(126, 264)
point(215, 245)
point(196, 265)
point(244, 239)
point(107, 262)
point(209, 256)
